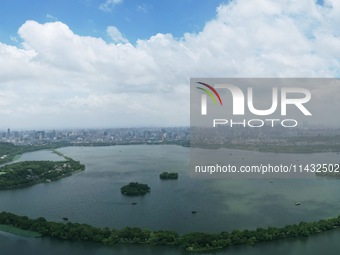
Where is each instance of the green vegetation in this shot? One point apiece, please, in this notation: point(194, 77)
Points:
point(18, 231)
point(135, 189)
point(58, 153)
point(17, 157)
point(168, 176)
point(27, 173)
point(8, 151)
point(62, 155)
point(195, 242)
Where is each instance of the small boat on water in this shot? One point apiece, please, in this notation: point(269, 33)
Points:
point(65, 219)
point(297, 203)
point(193, 212)
point(133, 203)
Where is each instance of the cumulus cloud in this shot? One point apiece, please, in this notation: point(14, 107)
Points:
point(60, 79)
point(108, 5)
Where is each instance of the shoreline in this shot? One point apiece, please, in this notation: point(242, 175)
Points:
point(41, 171)
point(19, 232)
point(191, 242)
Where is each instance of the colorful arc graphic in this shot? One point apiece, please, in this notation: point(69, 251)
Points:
point(209, 92)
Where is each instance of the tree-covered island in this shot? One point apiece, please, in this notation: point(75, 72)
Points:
point(135, 189)
point(168, 176)
point(28, 173)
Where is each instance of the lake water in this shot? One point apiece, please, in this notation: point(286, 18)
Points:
point(93, 197)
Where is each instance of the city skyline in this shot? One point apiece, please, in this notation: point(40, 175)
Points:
point(116, 63)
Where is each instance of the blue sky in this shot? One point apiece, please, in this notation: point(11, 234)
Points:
point(135, 19)
point(123, 63)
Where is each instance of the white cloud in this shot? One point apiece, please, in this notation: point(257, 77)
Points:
point(116, 35)
point(61, 79)
point(108, 5)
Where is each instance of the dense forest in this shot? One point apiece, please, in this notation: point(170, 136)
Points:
point(28, 173)
point(135, 189)
point(168, 176)
point(192, 241)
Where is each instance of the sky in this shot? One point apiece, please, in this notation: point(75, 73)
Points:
point(128, 63)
